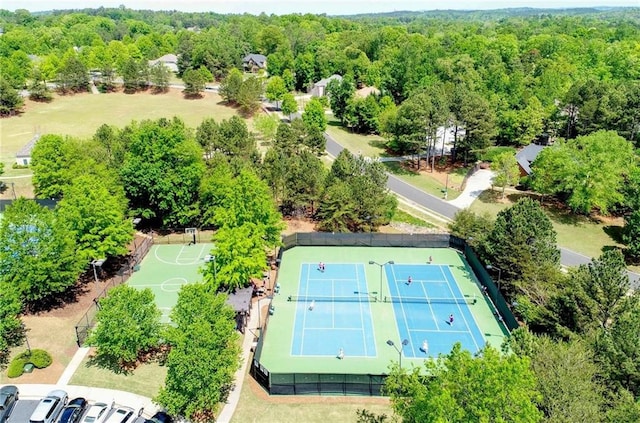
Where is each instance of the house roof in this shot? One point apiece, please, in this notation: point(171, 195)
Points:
point(527, 155)
point(240, 300)
point(324, 82)
point(258, 59)
point(365, 92)
point(169, 60)
point(25, 151)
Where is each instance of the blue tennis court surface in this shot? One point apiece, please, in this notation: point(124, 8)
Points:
point(424, 298)
point(323, 326)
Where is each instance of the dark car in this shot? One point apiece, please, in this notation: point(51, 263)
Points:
point(160, 417)
point(73, 411)
point(8, 398)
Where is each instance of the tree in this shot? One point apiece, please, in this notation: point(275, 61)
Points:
point(289, 105)
point(73, 75)
point(314, 116)
point(464, 388)
point(10, 100)
point(506, 170)
point(340, 92)
point(194, 83)
point(161, 171)
point(11, 328)
point(127, 323)
point(94, 210)
point(631, 234)
point(38, 259)
point(38, 90)
point(53, 162)
point(267, 125)
point(275, 90)
point(522, 243)
point(204, 356)
point(160, 76)
point(230, 86)
point(471, 227)
point(249, 95)
point(590, 171)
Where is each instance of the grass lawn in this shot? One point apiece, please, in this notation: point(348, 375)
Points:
point(575, 232)
point(367, 145)
point(80, 116)
point(426, 182)
point(145, 380)
point(258, 407)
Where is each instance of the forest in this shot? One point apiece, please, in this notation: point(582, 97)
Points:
point(503, 78)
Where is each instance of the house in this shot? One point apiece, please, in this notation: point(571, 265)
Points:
point(254, 62)
point(23, 157)
point(365, 92)
point(526, 156)
point(169, 60)
point(319, 89)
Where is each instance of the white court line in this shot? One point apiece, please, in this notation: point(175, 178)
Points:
point(403, 312)
point(435, 320)
point(461, 313)
point(174, 263)
point(293, 328)
point(360, 305)
point(190, 260)
point(304, 317)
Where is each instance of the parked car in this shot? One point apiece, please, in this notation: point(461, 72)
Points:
point(123, 415)
point(49, 407)
point(96, 413)
point(8, 398)
point(160, 417)
point(73, 411)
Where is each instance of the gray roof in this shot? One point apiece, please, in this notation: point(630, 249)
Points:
point(240, 300)
point(258, 59)
point(169, 60)
point(527, 155)
point(26, 150)
point(324, 82)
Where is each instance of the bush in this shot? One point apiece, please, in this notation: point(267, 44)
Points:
point(16, 367)
point(492, 152)
point(40, 359)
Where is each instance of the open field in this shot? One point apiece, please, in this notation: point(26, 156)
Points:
point(367, 145)
point(80, 115)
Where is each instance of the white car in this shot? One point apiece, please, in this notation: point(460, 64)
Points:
point(123, 415)
point(97, 413)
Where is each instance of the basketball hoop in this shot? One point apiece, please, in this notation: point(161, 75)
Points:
point(192, 232)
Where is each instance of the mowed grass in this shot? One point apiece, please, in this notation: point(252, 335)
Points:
point(81, 115)
point(578, 233)
point(145, 380)
point(256, 406)
point(366, 145)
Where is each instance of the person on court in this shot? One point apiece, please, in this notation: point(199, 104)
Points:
point(341, 354)
point(430, 259)
point(451, 320)
point(312, 305)
point(409, 280)
point(425, 347)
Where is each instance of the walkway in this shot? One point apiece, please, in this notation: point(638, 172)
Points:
point(73, 365)
point(477, 183)
point(234, 396)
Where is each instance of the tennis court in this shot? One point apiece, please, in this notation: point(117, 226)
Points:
point(166, 268)
point(321, 315)
point(425, 298)
point(358, 307)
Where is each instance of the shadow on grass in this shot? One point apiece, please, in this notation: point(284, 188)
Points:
point(396, 168)
point(108, 363)
point(615, 232)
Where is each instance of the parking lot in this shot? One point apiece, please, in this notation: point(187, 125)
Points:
point(25, 407)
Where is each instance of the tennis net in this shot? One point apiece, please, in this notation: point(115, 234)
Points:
point(334, 299)
point(424, 300)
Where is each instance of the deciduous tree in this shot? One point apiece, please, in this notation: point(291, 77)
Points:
point(205, 354)
point(506, 171)
point(127, 322)
point(314, 116)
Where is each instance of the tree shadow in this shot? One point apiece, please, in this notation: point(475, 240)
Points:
point(615, 232)
point(397, 168)
point(61, 300)
point(108, 363)
point(490, 196)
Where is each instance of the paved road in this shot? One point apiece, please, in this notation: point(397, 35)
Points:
point(435, 204)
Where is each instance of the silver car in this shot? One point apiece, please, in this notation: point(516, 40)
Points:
point(49, 407)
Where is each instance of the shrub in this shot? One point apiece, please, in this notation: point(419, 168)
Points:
point(16, 367)
point(492, 152)
point(40, 359)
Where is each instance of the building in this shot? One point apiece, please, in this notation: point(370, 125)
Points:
point(254, 62)
point(319, 89)
point(23, 157)
point(526, 156)
point(365, 92)
point(169, 60)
